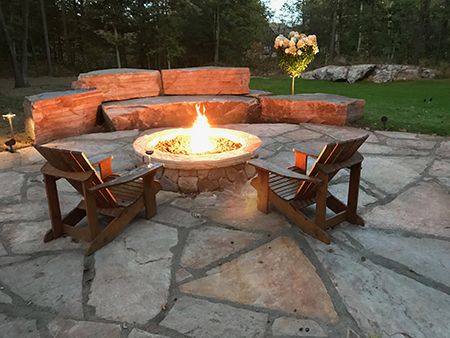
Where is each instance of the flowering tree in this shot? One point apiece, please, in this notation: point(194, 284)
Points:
point(295, 53)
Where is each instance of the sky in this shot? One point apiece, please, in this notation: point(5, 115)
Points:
point(276, 5)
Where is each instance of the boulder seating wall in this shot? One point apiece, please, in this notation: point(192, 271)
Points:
point(127, 99)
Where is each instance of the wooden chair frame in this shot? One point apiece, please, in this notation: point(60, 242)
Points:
point(120, 197)
point(290, 189)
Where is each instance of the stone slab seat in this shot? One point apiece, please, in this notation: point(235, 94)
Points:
point(179, 111)
point(311, 108)
point(122, 84)
point(55, 115)
point(206, 81)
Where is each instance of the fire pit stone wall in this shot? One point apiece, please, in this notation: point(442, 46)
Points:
point(194, 181)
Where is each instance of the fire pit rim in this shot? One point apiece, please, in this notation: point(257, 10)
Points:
point(250, 149)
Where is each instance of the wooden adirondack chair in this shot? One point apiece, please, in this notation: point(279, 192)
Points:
point(119, 197)
point(290, 189)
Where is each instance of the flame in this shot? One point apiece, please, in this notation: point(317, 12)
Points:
point(200, 139)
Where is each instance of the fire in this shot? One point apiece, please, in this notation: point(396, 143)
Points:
point(200, 134)
point(198, 140)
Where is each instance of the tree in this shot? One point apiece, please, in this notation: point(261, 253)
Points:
point(19, 77)
point(25, 12)
point(47, 44)
point(421, 31)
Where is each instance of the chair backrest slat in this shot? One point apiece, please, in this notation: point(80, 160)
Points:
point(76, 161)
point(332, 153)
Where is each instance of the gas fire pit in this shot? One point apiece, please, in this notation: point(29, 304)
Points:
point(200, 158)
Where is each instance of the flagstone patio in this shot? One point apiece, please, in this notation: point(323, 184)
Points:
point(212, 266)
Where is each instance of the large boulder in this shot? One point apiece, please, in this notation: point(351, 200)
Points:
point(359, 72)
point(350, 74)
point(387, 73)
point(122, 84)
point(179, 111)
point(371, 72)
point(311, 108)
point(206, 81)
point(51, 116)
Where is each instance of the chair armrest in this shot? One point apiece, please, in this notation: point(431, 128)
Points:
point(131, 176)
point(98, 159)
point(307, 151)
point(272, 168)
point(330, 168)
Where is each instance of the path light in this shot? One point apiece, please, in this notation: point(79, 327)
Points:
point(384, 120)
point(12, 141)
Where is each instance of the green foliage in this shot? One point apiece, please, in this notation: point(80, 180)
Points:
point(374, 31)
point(156, 34)
point(412, 106)
point(294, 65)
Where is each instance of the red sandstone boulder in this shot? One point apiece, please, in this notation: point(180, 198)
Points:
point(178, 111)
point(51, 116)
point(206, 81)
point(313, 108)
point(122, 84)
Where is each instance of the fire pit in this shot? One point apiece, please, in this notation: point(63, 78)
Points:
point(200, 158)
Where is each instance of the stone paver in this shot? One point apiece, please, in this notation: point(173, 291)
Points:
point(26, 237)
point(392, 174)
point(173, 216)
point(208, 244)
point(2, 250)
point(136, 333)
point(266, 277)
point(428, 257)
point(200, 318)
point(422, 209)
point(133, 274)
point(4, 298)
point(66, 328)
point(10, 328)
point(9, 182)
point(384, 302)
point(48, 281)
point(288, 326)
point(211, 265)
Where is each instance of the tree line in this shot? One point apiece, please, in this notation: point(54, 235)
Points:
point(61, 37)
point(80, 35)
point(378, 31)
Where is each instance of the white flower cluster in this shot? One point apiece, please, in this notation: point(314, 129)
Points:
point(295, 43)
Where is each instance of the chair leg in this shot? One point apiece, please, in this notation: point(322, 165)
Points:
point(261, 184)
point(91, 210)
point(299, 218)
point(53, 208)
point(115, 227)
point(150, 190)
point(321, 201)
point(353, 191)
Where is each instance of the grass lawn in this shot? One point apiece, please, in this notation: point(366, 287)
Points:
point(413, 106)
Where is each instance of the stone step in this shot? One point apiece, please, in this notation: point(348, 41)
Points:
point(122, 84)
point(179, 111)
point(206, 81)
point(311, 108)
